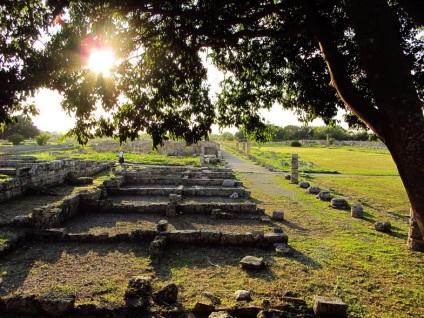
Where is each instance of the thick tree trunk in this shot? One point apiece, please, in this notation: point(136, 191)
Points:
point(400, 122)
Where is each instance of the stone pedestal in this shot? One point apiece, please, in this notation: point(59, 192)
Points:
point(295, 169)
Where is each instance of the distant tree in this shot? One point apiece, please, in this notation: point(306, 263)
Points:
point(21, 126)
point(15, 139)
point(239, 135)
point(227, 136)
point(42, 139)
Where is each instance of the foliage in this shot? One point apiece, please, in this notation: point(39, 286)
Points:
point(268, 51)
point(295, 144)
point(15, 139)
point(22, 126)
point(292, 132)
point(42, 139)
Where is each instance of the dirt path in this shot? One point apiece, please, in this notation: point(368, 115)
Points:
point(262, 178)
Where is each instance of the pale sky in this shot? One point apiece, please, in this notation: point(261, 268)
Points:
point(53, 118)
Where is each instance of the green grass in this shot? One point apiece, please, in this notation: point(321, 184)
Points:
point(130, 157)
point(343, 160)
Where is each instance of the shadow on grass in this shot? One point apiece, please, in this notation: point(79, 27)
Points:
point(38, 267)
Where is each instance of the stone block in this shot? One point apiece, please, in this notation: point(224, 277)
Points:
point(265, 219)
point(278, 215)
point(252, 262)
point(228, 183)
point(236, 239)
point(314, 190)
point(383, 226)
point(340, 203)
point(272, 238)
point(210, 237)
point(329, 307)
point(304, 184)
point(357, 211)
point(162, 226)
point(184, 236)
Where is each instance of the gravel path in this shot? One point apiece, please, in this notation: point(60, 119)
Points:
point(262, 178)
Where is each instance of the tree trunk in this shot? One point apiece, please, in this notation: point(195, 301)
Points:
point(400, 122)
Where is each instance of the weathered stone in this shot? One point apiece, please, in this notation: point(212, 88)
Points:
point(210, 237)
point(382, 226)
point(220, 314)
point(252, 262)
point(245, 312)
point(278, 215)
point(273, 313)
point(162, 226)
point(304, 184)
point(234, 195)
point(157, 246)
point(329, 307)
point(23, 304)
point(339, 203)
point(175, 198)
point(215, 300)
point(203, 309)
point(314, 190)
point(228, 183)
point(56, 304)
point(171, 210)
point(167, 295)
point(324, 195)
point(265, 219)
point(272, 238)
point(277, 229)
point(283, 249)
point(184, 236)
point(242, 295)
point(138, 292)
point(55, 234)
point(287, 177)
point(357, 211)
point(236, 239)
point(260, 210)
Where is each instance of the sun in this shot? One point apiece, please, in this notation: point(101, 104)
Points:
point(101, 61)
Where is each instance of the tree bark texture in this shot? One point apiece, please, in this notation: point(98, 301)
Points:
point(400, 120)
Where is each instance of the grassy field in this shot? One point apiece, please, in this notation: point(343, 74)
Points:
point(334, 254)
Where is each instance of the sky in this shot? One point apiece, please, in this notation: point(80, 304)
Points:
point(53, 118)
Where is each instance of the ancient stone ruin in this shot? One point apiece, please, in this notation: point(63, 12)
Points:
point(167, 192)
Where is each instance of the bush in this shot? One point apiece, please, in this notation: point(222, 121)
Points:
point(15, 139)
point(42, 139)
point(295, 144)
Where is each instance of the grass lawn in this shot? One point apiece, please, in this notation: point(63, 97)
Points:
point(334, 254)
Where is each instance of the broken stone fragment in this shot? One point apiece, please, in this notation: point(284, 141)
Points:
point(278, 215)
point(340, 203)
point(314, 190)
point(304, 184)
point(252, 262)
point(329, 307)
point(283, 249)
point(242, 295)
point(383, 226)
point(357, 211)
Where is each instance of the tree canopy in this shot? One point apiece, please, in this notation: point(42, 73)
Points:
point(267, 49)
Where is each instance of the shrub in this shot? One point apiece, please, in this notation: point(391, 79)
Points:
point(295, 144)
point(15, 139)
point(42, 139)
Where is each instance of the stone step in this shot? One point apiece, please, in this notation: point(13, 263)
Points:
point(238, 209)
point(8, 171)
point(164, 190)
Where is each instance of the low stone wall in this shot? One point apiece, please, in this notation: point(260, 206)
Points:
point(199, 237)
point(45, 174)
point(54, 215)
